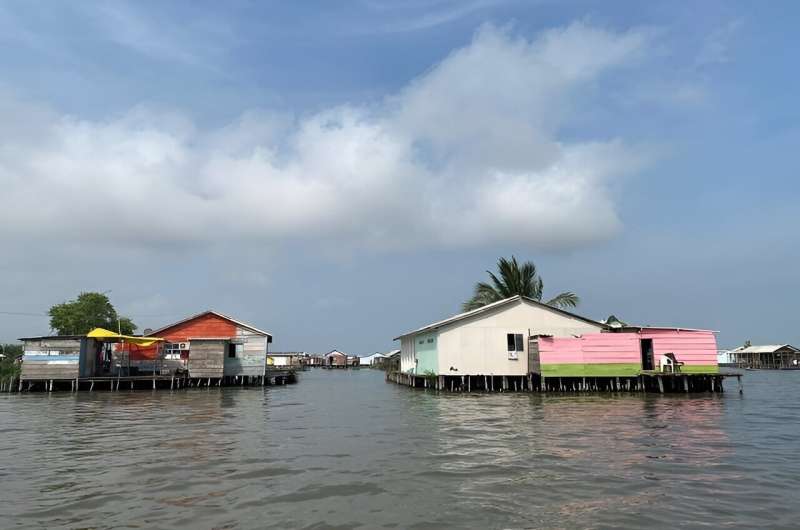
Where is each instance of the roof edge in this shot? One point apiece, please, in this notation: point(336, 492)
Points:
point(210, 312)
point(494, 305)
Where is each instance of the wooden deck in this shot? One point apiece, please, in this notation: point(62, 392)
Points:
point(646, 381)
point(272, 376)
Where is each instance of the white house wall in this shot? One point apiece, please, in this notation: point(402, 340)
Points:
point(407, 359)
point(478, 345)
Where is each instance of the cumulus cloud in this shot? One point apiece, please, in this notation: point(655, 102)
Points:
point(470, 153)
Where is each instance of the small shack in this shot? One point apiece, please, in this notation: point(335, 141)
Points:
point(371, 360)
point(625, 353)
point(768, 356)
point(57, 357)
point(210, 345)
point(294, 359)
point(72, 358)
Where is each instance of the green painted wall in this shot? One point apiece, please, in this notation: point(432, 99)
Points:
point(700, 369)
point(614, 369)
point(591, 370)
point(427, 356)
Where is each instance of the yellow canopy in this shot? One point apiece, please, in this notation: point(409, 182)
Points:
point(100, 333)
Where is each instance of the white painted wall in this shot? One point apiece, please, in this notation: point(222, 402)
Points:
point(477, 346)
point(407, 358)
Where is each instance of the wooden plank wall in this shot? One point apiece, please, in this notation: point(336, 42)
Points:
point(207, 358)
point(251, 354)
point(51, 359)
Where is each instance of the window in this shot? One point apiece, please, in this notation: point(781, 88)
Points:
point(430, 341)
point(515, 345)
point(231, 351)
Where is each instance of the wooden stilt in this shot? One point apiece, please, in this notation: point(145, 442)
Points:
point(686, 384)
point(660, 385)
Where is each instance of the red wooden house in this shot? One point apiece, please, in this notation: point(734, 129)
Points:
point(208, 345)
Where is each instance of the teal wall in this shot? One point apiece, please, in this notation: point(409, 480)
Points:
point(427, 357)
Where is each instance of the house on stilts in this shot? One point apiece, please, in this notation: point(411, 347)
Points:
point(206, 349)
point(522, 344)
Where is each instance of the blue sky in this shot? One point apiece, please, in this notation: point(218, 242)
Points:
point(340, 173)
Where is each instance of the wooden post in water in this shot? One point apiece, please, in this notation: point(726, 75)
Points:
point(660, 385)
point(469, 383)
point(91, 387)
point(739, 379)
point(686, 383)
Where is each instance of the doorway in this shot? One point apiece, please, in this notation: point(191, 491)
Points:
point(647, 354)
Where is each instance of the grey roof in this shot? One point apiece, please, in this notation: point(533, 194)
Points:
point(210, 312)
point(766, 348)
point(495, 305)
point(61, 337)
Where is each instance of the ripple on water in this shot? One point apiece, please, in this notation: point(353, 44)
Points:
point(347, 450)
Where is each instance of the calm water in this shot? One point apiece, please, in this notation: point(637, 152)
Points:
point(347, 450)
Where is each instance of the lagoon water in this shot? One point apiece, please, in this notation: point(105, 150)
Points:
point(344, 449)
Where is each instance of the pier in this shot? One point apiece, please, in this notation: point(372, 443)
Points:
point(646, 381)
point(147, 382)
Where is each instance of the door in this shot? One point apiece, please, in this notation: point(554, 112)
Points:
point(647, 354)
point(534, 364)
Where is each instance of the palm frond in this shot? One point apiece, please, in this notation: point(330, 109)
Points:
point(564, 300)
point(514, 279)
point(484, 294)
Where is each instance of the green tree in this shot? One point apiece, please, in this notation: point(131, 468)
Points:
point(88, 311)
point(515, 279)
point(9, 367)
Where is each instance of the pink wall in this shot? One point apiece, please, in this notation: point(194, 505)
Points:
point(590, 348)
point(691, 347)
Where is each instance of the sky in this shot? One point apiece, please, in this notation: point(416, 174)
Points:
point(340, 173)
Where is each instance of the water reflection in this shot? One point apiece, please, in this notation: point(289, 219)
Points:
point(346, 449)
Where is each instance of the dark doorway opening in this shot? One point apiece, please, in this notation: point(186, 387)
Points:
point(647, 354)
point(231, 351)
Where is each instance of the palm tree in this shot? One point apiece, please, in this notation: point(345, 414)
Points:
point(516, 279)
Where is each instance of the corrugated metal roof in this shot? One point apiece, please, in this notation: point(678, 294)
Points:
point(494, 305)
point(62, 337)
point(765, 348)
point(210, 312)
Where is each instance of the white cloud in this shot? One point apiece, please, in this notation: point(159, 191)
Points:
point(468, 154)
